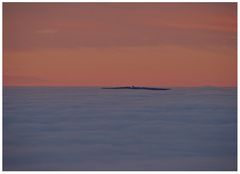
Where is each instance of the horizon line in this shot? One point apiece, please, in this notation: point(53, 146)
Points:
point(202, 86)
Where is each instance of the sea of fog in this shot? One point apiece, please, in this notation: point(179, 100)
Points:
point(57, 128)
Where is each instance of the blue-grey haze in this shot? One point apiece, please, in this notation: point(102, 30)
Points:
point(67, 128)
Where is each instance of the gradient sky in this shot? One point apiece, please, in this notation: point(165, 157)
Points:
point(112, 44)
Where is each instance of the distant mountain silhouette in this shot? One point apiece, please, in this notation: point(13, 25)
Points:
point(135, 87)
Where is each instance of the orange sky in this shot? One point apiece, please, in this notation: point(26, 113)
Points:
point(119, 44)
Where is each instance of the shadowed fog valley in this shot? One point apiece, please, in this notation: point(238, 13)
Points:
point(94, 129)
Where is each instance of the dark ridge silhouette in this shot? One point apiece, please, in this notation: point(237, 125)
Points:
point(135, 87)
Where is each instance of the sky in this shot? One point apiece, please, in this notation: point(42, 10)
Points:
point(119, 44)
